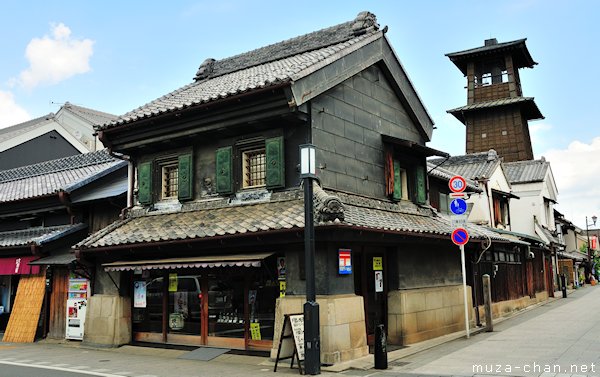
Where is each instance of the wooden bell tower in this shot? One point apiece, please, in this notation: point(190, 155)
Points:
point(496, 114)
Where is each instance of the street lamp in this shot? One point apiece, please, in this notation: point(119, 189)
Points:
point(312, 346)
point(589, 250)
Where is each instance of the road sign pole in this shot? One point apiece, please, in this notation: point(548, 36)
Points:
point(464, 279)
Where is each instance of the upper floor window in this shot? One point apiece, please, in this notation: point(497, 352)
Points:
point(405, 178)
point(165, 178)
point(169, 181)
point(250, 164)
point(254, 168)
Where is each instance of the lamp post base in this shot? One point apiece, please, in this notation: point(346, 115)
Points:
point(312, 344)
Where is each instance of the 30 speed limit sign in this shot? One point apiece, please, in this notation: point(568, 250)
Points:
point(457, 184)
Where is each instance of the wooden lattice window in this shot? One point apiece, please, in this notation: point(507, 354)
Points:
point(169, 182)
point(254, 168)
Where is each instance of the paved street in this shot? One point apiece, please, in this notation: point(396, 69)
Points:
point(559, 339)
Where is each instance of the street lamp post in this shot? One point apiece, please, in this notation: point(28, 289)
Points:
point(589, 250)
point(312, 343)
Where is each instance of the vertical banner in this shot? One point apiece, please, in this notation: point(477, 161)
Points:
point(345, 261)
point(139, 294)
point(172, 282)
point(378, 281)
point(281, 268)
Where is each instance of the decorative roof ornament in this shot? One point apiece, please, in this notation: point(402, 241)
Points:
point(364, 22)
point(205, 69)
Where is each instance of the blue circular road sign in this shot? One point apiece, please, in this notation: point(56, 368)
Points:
point(460, 236)
point(458, 206)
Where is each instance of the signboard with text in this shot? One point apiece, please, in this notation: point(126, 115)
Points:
point(345, 262)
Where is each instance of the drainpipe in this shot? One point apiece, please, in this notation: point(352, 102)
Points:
point(130, 168)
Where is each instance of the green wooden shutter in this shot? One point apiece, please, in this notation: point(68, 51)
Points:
point(224, 170)
point(185, 171)
point(421, 189)
point(275, 173)
point(397, 195)
point(145, 182)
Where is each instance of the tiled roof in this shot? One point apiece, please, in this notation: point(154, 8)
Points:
point(92, 116)
point(37, 236)
point(521, 57)
point(21, 128)
point(526, 171)
point(472, 165)
point(49, 177)
point(531, 111)
point(264, 67)
point(444, 174)
point(282, 211)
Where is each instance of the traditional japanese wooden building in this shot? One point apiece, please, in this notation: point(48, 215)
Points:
point(211, 253)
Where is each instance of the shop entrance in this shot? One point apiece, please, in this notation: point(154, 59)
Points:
point(370, 283)
point(230, 307)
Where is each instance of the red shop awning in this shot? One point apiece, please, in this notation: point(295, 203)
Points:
point(18, 266)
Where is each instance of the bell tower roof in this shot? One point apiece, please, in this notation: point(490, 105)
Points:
point(518, 49)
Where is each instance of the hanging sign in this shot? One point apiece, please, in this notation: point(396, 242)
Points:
point(281, 268)
point(172, 282)
point(377, 263)
point(378, 281)
point(139, 294)
point(255, 331)
point(345, 261)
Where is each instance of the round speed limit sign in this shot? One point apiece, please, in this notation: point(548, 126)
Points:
point(457, 184)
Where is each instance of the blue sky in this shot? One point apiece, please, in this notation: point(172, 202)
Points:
point(122, 54)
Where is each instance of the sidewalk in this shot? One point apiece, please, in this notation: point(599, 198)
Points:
point(133, 361)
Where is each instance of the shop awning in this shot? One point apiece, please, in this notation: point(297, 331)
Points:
point(204, 261)
point(18, 266)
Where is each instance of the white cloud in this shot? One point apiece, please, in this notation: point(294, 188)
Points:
point(55, 58)
point(10, 112)
point(577, 174)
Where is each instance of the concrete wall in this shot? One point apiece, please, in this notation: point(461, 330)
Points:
point(347, 124)
point(108, 321)
point(415, 315)
point(342, 326)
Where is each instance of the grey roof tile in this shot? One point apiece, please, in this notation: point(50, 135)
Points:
point(8, 133)
point(526, 171)
point(278, 63)
point(49, 177)
point(472, 165)
point(92, 116)
point(37, 236)
point(285, 211)
point(530, 109)
point(444, 174)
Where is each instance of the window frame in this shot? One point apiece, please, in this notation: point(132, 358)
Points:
point(162, 163)
point(246, 168)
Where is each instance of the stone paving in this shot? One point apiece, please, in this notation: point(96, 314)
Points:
point(558, 339)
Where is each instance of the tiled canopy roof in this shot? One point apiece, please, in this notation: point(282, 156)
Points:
point(472, 165)
point(264, 67)
point(37, 236)
point(283, 211)
point(530, 109)
point(526, 171)
point(49, 177)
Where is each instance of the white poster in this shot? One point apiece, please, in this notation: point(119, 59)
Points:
point(139, 294)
